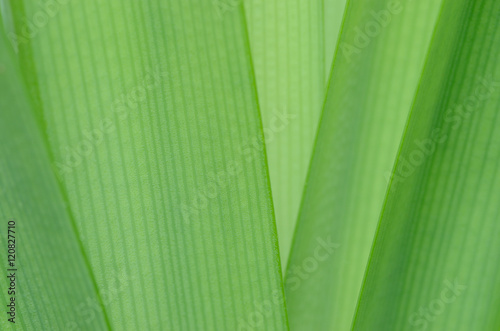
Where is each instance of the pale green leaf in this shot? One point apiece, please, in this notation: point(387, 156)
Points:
point(291, 43)
point(151, 113)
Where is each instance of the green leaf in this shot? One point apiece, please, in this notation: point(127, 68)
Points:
point(333, 12)
point(435, 261)
point(154, 151)
point(151, 113)
point(378, 61)
point(291, 50)
point(49, 272)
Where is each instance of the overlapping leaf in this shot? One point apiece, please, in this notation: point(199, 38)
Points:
point(49, 278)
point(378, 61)
point(291, 44)
point(151, 113)
point(435, 261)
point(161, 216)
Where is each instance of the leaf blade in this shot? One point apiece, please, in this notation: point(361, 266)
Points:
point(140, 112)
point(357, 142)
point(460, 64)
